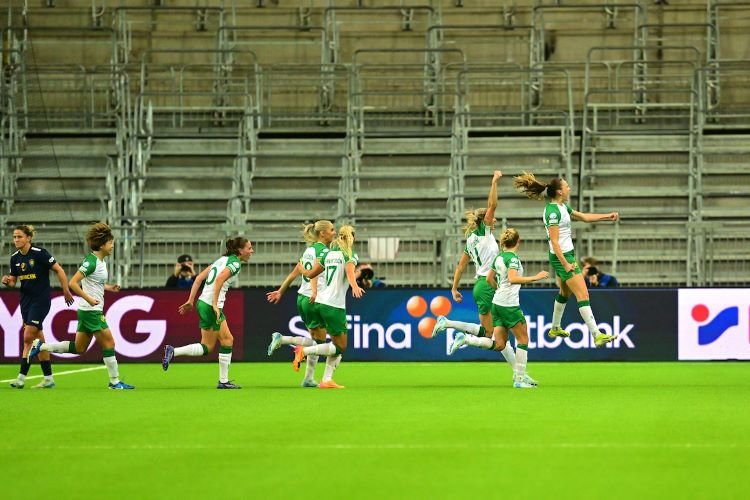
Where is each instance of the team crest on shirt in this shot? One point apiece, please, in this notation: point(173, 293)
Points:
point(31, 263)
point(23, 266)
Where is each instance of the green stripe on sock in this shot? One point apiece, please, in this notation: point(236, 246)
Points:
point(525, 347)
point(72, 348)
point(561, 299)
point(108, 353)
point(493, 345)
point(338, 351)
point(205, 349)
point(482, 331)
point(583, 303)
point(225, 350)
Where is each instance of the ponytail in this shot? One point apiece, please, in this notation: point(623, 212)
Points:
point(234, 245)
point(473, 218)
point(311, 232)
point(345, 240)
point(528, 184)
point(26, 229)
point(509, 238)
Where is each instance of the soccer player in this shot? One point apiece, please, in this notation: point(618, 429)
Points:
point(506, 308)
point(338, 265)
point(318, 236)
point(92, 276)
point(481, 248)
point(557, 220)
point(31, 266)
point(213, 323)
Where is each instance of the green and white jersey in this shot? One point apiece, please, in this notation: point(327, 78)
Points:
point(313, 253)
point(232, 262)
point(507, 293)
point(336, 284)
point(482, 247)
point(95, 275)
point(559, 215)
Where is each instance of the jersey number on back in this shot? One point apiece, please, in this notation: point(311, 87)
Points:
point(330, 273)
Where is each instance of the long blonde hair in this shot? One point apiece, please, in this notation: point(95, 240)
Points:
point(311, 232)
point(509, 238)
point(345, 240)
point(528, 184)
point(473, 218)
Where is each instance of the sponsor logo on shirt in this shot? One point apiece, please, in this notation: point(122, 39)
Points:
point(553, 216)
point(30, 276)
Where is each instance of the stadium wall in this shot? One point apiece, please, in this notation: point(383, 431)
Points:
point(395, 325)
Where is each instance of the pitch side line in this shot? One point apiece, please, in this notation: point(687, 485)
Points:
point(80, 370)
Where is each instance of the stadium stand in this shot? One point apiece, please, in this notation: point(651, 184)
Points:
point(181, 122)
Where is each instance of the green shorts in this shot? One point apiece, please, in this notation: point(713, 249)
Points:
point(309, 314)
point(507, 316)
point(333, 318)
point(91, 322)
point(483, 294)
point(560, 270)
point(208, 317)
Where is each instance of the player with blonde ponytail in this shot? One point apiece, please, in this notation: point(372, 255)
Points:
point(481, 249)
point(338, 265)
point(318, 236)
point(557, 217)
point(506, 276)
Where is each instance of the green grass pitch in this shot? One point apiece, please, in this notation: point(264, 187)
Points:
point(399, 430)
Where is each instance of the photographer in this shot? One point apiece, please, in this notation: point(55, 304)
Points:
point(594, 277)
point(184, 273)
point(365, 276)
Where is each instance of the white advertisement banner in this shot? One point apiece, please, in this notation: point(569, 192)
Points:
point(713, 323)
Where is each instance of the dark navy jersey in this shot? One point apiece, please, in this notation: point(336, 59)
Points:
point(32, 270)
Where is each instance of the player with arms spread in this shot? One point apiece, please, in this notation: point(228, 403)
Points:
point(213, 323)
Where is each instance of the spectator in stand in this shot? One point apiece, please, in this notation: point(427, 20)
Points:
point(184, 273)
point(594, 277)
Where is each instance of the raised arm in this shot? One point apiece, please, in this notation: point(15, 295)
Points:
point(460, 268)
point(489, 215)
point(612, 216)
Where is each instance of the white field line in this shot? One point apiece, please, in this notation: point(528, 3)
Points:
point(68, 372)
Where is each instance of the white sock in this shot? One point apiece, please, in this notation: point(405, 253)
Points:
point(509, 355)
point(332, 362)
point(111, 363)
point(21, 378)
point(588, 316)
point(470, 328)
point(312, 360)
point(481, 342)
point(189, 350)
point(295, 340)
point(58, 347)
point(521, 359)
point(225, 359)
point(327, 349)
point(557, 314)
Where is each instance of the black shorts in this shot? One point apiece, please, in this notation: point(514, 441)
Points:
point(34, 310)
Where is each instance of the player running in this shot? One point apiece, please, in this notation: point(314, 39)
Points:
point(31, 266)
point(213, 323)
point(318, 236)
point(92, 276)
